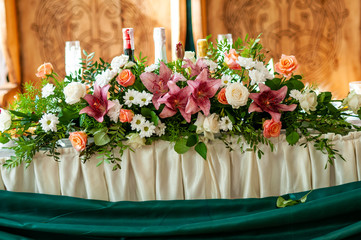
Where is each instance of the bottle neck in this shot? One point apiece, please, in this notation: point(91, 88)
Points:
point(128, 42)
point(160, 53)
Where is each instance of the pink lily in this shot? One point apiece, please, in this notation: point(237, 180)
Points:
point(98, 103)
point(270, 101)
point(157, 84)
point(202, 90)
point(175, 99)
point(197, 68)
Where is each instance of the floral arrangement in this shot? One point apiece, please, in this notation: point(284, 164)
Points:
point(189, 102)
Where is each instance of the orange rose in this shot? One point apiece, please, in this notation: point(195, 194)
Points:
point(78, 140)
point(126, 115)
point(222, 96)
point(231, 60)
point(45, 69)
point(271, 128)
point(286, 65)
point(126, 78)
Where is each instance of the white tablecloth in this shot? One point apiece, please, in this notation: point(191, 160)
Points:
point(157, 172)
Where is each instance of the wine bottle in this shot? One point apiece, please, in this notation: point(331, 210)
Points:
point(159, 45)
point(128, 43)
point(202, 46)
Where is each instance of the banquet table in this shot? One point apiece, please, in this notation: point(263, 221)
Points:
point(157, 172)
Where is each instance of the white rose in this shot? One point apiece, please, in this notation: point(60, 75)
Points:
point(105, 77)
point(308, 102)
point(5, 120)
point(119, 62)
point(353, 101)
point(207, 125)
point(74, 92)
point(211, 123)
point(135, 141)
point(237, 95)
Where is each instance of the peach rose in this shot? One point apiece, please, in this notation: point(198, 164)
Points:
point(126, 115)
point(45, 69)
point(286, 65)
point(78, 140)
point(271, 128)
point(231, 60)
point(126, 78)
point(222, 96)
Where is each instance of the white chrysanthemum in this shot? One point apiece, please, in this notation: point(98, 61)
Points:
point(296, 94)
point(105, 77)
point(147, 129)
point(263, 69)
point(226, 80)
point(256, 77)
point(160, 129)
point(47, 90)
point(130, 97)
point(152, 68)
point(137, 122)
point(119, 62)
point(144, 98)
point(247, 63)
point(113, 112)
point(212, 65)
point(48, 122)
point(225, 124)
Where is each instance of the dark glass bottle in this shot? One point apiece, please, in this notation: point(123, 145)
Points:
point(128, 43)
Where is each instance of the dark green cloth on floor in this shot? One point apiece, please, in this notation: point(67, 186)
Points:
point(329, 213)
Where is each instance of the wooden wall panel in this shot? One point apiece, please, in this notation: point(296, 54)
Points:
point(45, 25)
point(324, 35)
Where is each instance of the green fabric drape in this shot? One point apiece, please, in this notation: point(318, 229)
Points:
point(330, 213)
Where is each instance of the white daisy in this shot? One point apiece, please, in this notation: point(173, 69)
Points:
point(113, 113)
point(144, 99)
point(137, 122)
point(131, 97)
point(225, 124)
point(151, 68)
point(47, 90)
point(48, 122)
point(119, 62)
point(226, 80)
point(147, 129)
point(105, 77)
point(256, 76)
point(247, 63)
point(160, 129)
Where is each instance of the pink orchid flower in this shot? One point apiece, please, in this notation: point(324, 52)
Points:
point(202, 90)
point(157, 84)
point(98, 103)
point(197, 68)
point(270, 101)
point(175, 99)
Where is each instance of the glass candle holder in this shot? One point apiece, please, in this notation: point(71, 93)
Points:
point(355, 86)
point(227, 37)
point(72, 57)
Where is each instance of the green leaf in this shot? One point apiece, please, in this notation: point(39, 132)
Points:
point(181, 146)
point(3, 139)
point(101, 138)
point(274, 84)
point(192, 140)
point(324, 97)
point(154, 118)
point(67, 115)
point(230, 116)
point(281, 202)
point(292, 138)
point(146, 112)
point(295, 84)
point(201, 148)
